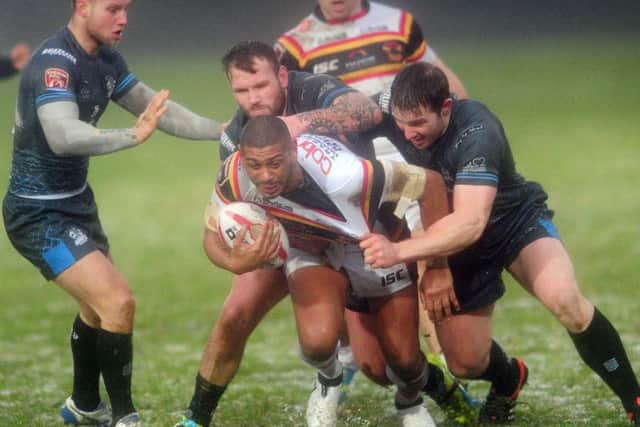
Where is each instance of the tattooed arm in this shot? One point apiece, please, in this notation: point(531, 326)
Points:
point(349, 112)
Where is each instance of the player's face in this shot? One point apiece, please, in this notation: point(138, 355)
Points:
point(339, 10)
point(422, 128)
point(105, 20)
point(272, 169)
point(260, 93)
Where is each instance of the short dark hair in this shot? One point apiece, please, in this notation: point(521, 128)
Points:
point(243, 54)
point(262, 131)
point(420, 85)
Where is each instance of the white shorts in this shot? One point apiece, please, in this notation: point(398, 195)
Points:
point(365, 282)
point(385, 150)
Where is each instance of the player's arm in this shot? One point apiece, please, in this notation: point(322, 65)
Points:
point(178, 120)
point(348, 112)
point(67, 135)
point(405, 183)
point(242, 257)
point(6, 67)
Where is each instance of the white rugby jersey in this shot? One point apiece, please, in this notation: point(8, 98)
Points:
point(338, 202)
point(366, 51)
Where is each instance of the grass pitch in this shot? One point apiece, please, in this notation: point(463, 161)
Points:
point(571, 112)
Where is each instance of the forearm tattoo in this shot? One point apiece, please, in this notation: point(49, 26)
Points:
point(351, 112)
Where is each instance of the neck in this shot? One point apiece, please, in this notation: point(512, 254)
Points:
point(296, 180)
point(83, 38)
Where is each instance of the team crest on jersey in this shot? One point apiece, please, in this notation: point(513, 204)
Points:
point(393, 50)
point(56, 78)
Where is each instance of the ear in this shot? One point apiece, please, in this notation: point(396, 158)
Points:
point(445, 111)
point(82, 8)
point(283, 76)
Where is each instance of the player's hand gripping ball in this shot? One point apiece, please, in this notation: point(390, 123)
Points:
point(235, 215)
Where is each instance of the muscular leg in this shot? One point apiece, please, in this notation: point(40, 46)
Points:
point(251, 297)
point(318, 294)
point(545, 270)
point(106, 301)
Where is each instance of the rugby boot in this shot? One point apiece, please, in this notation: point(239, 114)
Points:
point(322, 407)
point(634, 415)
point(187, 422)
point(131, 420)
point(450, 395)
point(71, 415)
point(414, 415)
point(499, 409)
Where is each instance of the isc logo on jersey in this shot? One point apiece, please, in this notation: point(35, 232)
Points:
point(326, 67)
point(232, 217)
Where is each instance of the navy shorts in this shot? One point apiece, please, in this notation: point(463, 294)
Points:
point(477, 270)
point(54, 234)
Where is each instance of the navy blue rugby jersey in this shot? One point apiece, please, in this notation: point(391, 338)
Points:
point(474, 150)
point(60, 70)
point(305, 92)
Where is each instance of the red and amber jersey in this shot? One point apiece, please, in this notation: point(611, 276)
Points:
point(366, 51)
point(339, 200)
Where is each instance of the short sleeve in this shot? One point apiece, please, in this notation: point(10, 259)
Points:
point(124, 79)
point(54, 80)
point(478, 155)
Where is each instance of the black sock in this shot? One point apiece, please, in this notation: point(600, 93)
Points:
point(115, 352)
point(601, 349)
point(86, 369)
point(503, 372)
point(435, 380)
point(204, 401)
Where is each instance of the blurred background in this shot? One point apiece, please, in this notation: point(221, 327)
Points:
point(209, 27)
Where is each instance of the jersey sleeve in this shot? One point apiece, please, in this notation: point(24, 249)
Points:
point(224, 191)
point(54, 79)
point(230, 136)
point(418, 50)
point(6, 67)
point(314, 91)
point(480, 148)
point(125, 80)
point(287, 59)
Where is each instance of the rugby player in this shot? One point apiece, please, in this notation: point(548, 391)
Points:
point(499, 221)
point(365, 44)
point(306, 103)
point(310, 184)
point(16, 61)
point(50, 214)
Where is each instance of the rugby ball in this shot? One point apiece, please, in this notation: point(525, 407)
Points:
point(235, 215)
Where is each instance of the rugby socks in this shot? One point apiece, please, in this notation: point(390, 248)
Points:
point(204, 401)
point(503, 372)
point(86, 369)
point(601, 349)
point(408, 393)
point(115, 352)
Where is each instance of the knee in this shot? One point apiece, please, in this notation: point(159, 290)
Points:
point(467, 365)
point(120, 309)
point(318, 347)
point(406, 365)
point(235, 320)
point(572, 310)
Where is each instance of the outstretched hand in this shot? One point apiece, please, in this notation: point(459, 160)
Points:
point(148, 120)
point(379, 252)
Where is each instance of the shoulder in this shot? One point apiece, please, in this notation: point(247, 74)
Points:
point(328, 161)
